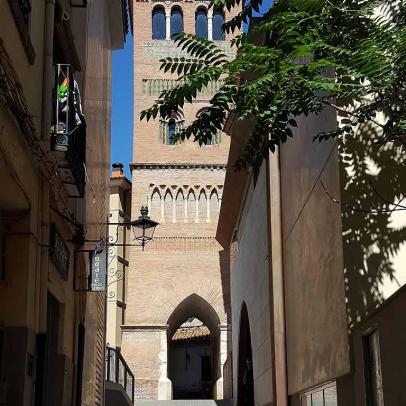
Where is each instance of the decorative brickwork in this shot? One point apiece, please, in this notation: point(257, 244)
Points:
point(182, 185)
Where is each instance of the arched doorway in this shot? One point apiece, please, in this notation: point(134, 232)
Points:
point(245, 366)
point(193, 349)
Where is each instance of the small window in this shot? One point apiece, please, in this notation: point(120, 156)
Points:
point(322, 396)
point(158, 23)
point(171, 132)
point(373, 370)
point(218, 21)
point(201, 23)
point(176, 21)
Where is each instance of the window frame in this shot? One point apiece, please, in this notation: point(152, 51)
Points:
point(321, 388)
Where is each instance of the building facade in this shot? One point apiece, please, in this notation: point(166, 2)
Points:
point(55, 95)
point(180, 274)
point(317, 269)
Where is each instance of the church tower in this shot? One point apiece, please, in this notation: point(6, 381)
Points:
point(176, 324)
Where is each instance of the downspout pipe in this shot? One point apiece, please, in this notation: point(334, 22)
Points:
point(276, 279)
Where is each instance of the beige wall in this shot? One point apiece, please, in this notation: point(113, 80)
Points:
point(250, 285)
point(30, 275)
point(312, 255)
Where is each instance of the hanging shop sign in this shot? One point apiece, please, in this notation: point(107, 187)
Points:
point(59, 253)
point(98, 270)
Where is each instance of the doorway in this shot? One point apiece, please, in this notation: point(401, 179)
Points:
point(191, 366)
point(245, 365)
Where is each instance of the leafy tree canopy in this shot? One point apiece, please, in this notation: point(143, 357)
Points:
point(301, 56)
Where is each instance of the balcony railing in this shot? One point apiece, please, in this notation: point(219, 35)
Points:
point(68, 131)
point(119, 372)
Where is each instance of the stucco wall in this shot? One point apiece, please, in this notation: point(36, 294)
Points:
point(390, 321)
point(250, 284)
point(312, 255)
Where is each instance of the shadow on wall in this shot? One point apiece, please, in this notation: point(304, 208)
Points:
point(224, 261)
point(373, 199)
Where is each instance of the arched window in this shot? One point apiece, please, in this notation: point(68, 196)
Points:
point(218, 21)
point(170, 139)
point(176, 21)
point(158, 23)
point(201, 23)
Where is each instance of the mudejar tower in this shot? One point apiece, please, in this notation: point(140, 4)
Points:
point(182, 274)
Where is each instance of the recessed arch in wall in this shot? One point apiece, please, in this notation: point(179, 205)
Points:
point(155, 210)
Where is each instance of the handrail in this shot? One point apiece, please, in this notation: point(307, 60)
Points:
point(118, 371)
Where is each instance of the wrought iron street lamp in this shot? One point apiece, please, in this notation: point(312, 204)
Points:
point(142, 229)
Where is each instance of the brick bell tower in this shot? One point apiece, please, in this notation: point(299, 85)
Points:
point(182, 276)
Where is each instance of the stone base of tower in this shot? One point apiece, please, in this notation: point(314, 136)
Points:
point(145, 350)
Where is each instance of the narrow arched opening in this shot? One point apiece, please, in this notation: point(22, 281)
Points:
point(176, 21)
point(245, 393)
point(201, 27)
point(158, 23)
point(218, 21)
point(193, 344)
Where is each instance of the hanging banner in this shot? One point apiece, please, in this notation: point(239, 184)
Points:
point(98, 270)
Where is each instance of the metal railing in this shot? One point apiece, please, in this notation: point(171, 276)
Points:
point(68, 128)
point(119, 372)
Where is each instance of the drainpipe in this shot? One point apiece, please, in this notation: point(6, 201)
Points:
point(45, 138)
point(275, 260)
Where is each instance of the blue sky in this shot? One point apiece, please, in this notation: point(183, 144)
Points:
point(122, 103)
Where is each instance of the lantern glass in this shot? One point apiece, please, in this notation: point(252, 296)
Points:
point(143, 228)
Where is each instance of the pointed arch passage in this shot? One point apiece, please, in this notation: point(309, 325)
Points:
point(194, 345)
point(158, 23)
point(176, 21)
point(245, 388)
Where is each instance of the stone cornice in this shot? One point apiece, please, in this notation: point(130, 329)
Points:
point(176, 166)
